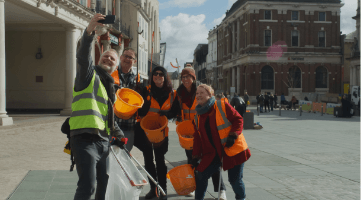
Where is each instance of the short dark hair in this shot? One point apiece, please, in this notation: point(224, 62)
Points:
point(129, 49)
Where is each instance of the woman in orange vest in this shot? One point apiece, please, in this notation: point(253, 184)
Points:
point(218, 142)
point(186, 94)
point(158, 99)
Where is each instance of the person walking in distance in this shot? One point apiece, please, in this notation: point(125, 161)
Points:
point(261, 102)
point(92, 119)
point(246, 98)
point(238, 103)
point(266, 102)
point(271, 100)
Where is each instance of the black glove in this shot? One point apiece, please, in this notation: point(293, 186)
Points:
point(163, 113)
point(179, 118)
point(231, 139)
point(194, 162)
point(118, 141)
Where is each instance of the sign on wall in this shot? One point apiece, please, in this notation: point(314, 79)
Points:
point(113, 39)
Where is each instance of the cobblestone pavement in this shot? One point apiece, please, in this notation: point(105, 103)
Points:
point(293, 157)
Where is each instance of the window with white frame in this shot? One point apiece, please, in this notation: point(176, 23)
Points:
point(267, 38)
point(321, 16)
point(294, 15)
point(268, 14)
point(295, 38)
point(321, 39)
point(146, 31)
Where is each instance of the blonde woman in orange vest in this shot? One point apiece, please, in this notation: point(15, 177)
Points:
point(158, 100)
point(186, 94)
point(218, 142)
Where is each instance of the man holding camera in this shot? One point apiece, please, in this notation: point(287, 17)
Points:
point(92, 119)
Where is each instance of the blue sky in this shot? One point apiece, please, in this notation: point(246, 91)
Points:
point(185, 23)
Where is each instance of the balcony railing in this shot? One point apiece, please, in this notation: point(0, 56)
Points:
point(122, 27)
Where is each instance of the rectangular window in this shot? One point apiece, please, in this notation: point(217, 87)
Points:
point(267, 38)
point(294, 15)
point(267, 14)
point(321, 16)
point(295, 38)
point(321, 39)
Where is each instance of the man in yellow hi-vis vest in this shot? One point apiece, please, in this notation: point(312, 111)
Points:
point(92, 119)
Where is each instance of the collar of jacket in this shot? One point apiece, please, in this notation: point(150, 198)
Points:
point(205, 108)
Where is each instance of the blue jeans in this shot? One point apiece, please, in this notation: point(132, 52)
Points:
point(92, 164)
point(260, 108)
point(235, 176)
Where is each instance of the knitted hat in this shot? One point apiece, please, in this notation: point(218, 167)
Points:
point(190, 71)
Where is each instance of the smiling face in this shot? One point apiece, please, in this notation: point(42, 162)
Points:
point(109, 61)
point(158, 78)
point(187, 81)
point(202, 96)
point(127, 59)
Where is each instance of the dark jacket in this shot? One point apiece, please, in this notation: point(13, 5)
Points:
point(261, 100)
point(84, 75)
point(127, 80)
point(246, 97)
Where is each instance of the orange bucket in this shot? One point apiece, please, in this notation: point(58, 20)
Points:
point(182, 179)
point(154, 127)
point(185, 131)
point(127, 103)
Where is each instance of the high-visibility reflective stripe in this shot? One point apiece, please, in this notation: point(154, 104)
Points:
point(88, 112)
point(189, 111)
point(91, 95)
point(224, 140)
point(225, 120)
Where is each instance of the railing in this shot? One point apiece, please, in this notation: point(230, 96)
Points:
point(122, 27)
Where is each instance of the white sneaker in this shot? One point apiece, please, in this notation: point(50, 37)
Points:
point(190, 194)
point(223, 195)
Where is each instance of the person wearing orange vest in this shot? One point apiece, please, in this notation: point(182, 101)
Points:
point(218, 142)
point(158, 100)
point(186, 94)
point(125, 77)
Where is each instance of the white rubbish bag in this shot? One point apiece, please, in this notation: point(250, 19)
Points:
point(125, 181)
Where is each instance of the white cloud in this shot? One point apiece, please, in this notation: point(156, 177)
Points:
point(181, 3)
point(348, 10)
point(218, 20)
point(182, 33)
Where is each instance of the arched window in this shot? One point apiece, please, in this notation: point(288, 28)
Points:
point(295, 77)
point(267, 78)
point(321, 77)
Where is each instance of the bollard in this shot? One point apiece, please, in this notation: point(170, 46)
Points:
point(257, 110)
point(321, 109)
point(280, 109)
point(300, 110)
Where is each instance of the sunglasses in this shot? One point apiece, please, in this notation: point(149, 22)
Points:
point(157, 73)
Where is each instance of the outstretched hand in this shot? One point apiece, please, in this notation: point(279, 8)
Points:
point(94, 22)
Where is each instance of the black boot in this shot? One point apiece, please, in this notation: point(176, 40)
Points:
point(151, 194)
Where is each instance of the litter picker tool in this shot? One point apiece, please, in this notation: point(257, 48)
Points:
point(151, 178)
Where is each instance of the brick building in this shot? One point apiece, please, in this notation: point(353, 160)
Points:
point(289, 47)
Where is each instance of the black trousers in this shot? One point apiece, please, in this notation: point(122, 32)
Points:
point(158, 171)
point(266, 104)
point(215, 176)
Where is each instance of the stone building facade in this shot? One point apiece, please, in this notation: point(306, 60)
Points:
point(289, 47)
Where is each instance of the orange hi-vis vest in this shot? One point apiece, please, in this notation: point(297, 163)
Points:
point(224, 127)
point(115, 75)
point(188, 113)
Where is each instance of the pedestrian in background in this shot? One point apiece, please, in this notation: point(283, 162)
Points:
point(261, 102)
point(209, 140)
point(246, 98)
point(293, 102)
point(283, 99)
point(90, 133)
point(275, 100)
point(271, 99)
point(239, 104)
point(266, 102)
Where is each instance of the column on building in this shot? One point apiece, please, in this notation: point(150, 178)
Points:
point(233, 77)
point(117, 10)
point(4, 118)
point(70, 68)
point(238, 80)
point(106, 45)
point(354, 77)
point(233, 35)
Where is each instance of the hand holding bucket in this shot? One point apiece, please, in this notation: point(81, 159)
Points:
point(127, 103)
